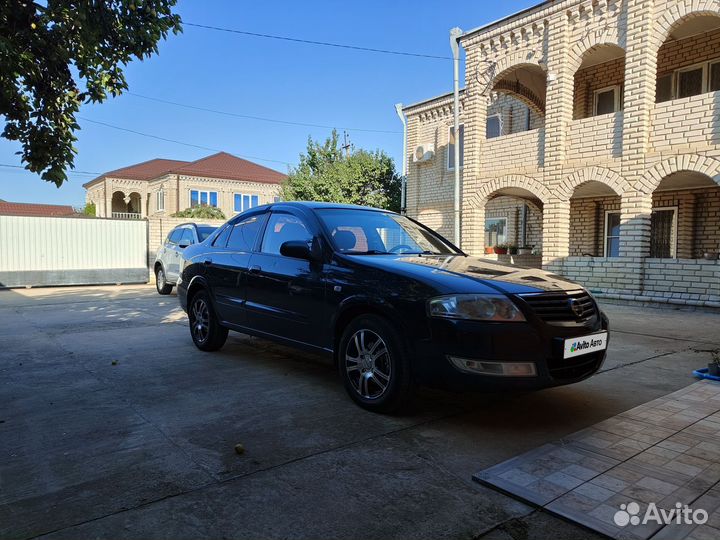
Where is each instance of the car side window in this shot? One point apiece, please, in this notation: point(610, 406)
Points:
point(244, 233)
point(283, 228)
point(187, 238)
point(222, 238)
point(174, 236)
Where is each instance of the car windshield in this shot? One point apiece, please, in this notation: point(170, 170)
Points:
point(368, 232)
point(204, 232)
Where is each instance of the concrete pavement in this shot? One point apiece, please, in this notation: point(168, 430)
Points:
point(112, 424)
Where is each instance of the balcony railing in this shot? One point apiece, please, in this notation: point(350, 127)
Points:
point(517, 151)
point(126, 215)
point(595, 137)
point(690, 121)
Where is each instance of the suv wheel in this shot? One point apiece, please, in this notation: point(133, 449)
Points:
point(206, 331)
point(373, 364)
point(163, 287)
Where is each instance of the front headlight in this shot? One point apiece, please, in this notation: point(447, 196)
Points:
point(476, 307)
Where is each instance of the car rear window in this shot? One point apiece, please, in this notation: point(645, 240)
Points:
point(204, 232)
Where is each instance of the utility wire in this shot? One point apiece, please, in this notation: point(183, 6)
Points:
point(71, 171)
point(312, 42)
point(176, 141)
point(274, 120)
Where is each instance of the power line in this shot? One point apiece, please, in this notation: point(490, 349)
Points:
point(176, 141)
point(312, 42)
point(264, 119)
point(71, 171)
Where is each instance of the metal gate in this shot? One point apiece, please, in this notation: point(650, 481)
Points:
point(37, 251)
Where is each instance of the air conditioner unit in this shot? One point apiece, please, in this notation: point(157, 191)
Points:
point(423, 152)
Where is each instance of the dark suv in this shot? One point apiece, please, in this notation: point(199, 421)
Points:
point(390, 300)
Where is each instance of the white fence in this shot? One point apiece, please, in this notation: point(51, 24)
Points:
point(36, 251)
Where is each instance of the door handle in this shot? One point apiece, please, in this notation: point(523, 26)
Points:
point(207, 262)
point(255, 269)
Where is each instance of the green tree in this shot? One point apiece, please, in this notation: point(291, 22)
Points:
point(89, 209)
point(326, 174)
point(58, 54)
point(200, 212)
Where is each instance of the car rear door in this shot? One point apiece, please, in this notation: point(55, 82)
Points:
point(227, 264)
point(170, 257)
point(286, 296)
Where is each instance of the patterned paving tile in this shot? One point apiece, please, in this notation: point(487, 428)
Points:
point(662, 453)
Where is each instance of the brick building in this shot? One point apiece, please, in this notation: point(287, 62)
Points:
point(161, 187)
point(591, 130)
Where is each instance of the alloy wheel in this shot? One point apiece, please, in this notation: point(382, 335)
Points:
point(201, 320)
point(161, 281)
point(368, 364)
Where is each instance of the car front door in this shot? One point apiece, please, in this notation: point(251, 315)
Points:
point(226, 266)
point(285, 295)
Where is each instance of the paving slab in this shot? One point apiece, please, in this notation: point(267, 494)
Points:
point(664, 452)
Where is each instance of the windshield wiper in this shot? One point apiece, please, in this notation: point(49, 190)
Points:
point(367, 252)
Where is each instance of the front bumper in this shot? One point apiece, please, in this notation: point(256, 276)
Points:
point(532, 341)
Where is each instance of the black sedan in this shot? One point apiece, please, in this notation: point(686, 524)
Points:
point(390, 300)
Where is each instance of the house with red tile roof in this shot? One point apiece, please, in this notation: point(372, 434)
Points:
point(161, 187)
point(38, 210)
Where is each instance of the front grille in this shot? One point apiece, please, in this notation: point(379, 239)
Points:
point(576, 306)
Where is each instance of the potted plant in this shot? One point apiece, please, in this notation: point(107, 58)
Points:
point(525, 250)
point(714, 366)
point(489, 250)
point(512, 249)
point(501, 249)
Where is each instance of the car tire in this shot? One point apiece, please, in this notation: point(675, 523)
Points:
point(161, 284)
point(374, 365)
point(206, 331)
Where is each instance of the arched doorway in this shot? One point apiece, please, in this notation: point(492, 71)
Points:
point(688, 61)
point(685, 220)
point(126, 206)
point(517, 100)
point(598, 82)
point(595, 211)
point(514, 224)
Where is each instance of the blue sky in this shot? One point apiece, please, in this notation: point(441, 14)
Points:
point(268, 78)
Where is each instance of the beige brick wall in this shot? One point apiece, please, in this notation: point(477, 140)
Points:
point(630, 151)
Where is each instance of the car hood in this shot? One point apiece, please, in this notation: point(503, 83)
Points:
point(460, 273)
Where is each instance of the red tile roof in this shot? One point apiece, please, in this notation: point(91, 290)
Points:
point(227, 166)
point(30, 209)
point(221, 165)
point(147, 170)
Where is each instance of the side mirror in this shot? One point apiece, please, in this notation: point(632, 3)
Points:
point(297, 249)
point(310, 250)
point(183, 246)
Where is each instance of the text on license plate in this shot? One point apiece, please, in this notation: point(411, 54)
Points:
point(585, 344)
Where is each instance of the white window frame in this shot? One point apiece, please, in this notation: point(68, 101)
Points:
point(461, 127)
point(711, 63)
point(617, 97)
point(673, 232)
point(500, 125)
point(160, 200)
point(605, 230)
point(705, 78)
point(704, 84)
point(251, 195)
point(200, 191)
point(498, 218)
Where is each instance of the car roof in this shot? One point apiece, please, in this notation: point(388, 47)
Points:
point(318, 205)
point(191, 224)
